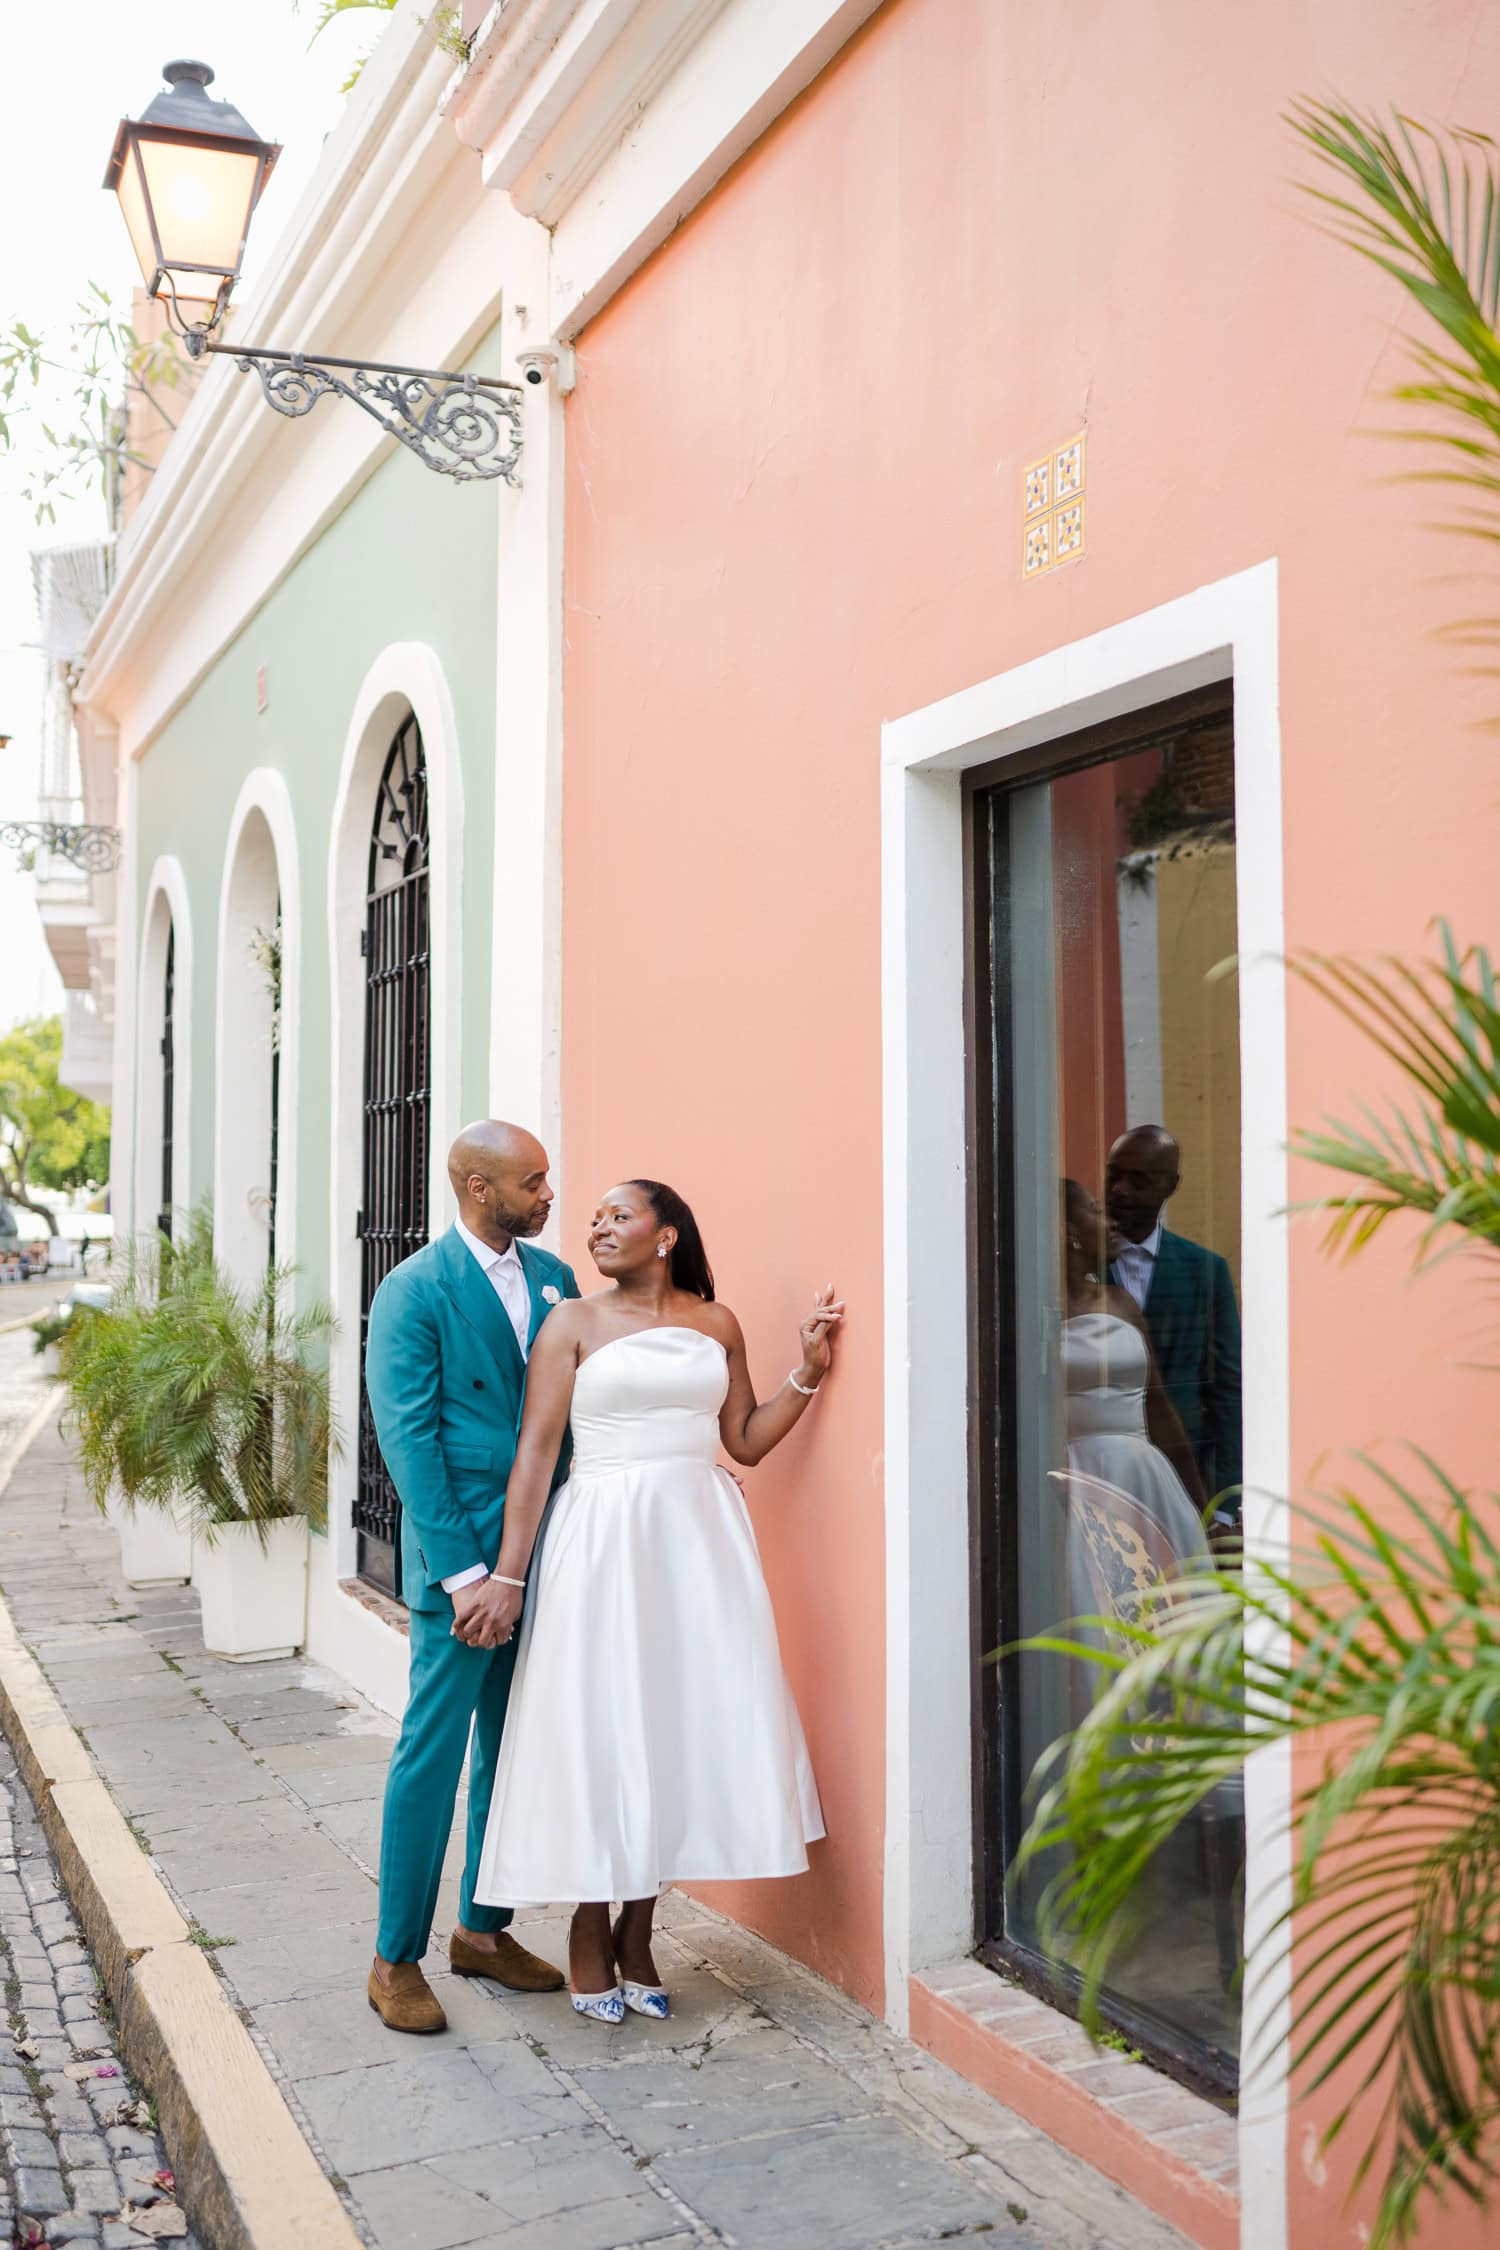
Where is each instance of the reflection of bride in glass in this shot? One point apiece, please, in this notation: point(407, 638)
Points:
point(1123, 1432)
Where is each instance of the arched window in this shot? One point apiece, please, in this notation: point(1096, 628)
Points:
point(397, 1095)
point(164, 1211)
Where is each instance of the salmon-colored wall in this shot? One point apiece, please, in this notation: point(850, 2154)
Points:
point(794, 511)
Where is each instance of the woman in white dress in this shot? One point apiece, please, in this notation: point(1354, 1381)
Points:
point(651, 1736)
point(1122, 1428)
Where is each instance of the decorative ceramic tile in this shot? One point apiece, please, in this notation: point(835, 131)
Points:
point(1038, 555)
point(1068, 467)
point(1067, 531)
point(1052, 511)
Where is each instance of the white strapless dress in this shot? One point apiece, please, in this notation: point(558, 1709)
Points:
point(651, 1736)
point(1105, 1368)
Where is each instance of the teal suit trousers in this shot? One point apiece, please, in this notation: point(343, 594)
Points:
point(452, 1685)
point(446, 1380)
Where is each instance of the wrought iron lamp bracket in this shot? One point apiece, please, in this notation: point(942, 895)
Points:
point(466, 427)
point(96, 850)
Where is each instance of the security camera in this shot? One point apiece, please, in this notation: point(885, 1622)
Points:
point(547, 360)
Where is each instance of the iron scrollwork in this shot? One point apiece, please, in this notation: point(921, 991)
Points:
point(96, 850)
point(465, 426)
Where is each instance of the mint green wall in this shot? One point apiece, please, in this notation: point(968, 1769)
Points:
point(412, 558)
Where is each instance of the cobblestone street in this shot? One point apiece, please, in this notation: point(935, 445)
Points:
point(82, 2162)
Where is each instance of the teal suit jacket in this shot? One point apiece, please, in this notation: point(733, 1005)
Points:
point(446, 1381)
point(1195, 1333)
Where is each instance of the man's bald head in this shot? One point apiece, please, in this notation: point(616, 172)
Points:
point(1144, 1172)
point(498, 1172)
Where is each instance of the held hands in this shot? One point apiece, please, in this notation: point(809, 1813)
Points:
point(486, 1614)
point(817, 1337)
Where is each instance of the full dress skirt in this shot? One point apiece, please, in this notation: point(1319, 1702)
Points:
point(651, 1736)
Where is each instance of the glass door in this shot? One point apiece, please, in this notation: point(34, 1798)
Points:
point(1108, 1409)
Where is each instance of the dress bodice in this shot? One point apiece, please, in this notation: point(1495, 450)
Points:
point(651, 1396)
point(1105, 1369)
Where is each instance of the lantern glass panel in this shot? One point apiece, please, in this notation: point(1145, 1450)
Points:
point(201, 199)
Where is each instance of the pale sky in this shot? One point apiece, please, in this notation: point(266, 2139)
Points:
point(71, 76)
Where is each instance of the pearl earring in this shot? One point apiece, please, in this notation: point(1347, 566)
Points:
point(662, 1251)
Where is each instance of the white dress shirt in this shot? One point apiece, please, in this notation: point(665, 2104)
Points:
point(1135, 1263)
point(507, 1277)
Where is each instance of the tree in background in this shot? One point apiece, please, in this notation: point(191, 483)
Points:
point(50, 1137)
point(88, 377)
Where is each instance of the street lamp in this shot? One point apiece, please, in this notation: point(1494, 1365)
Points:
point(189, 172)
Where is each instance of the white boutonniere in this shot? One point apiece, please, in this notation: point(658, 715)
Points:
point(551, 1296)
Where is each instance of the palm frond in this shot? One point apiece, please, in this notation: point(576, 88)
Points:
point(1380, 1650)
point(1426, 210)
point(1440, 1026)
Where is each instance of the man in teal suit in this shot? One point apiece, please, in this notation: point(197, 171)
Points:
point(1187, 1296)
point(445, 1368)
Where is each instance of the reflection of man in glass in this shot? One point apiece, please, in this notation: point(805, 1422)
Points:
point(1187, 1296)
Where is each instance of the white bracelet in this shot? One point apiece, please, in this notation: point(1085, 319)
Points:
point(802, 1389)
point(501, 1580)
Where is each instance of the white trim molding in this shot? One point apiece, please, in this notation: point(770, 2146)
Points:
point(166, 911)
point(260, 866)
point(610, 120)
point(1224, 630)
point(406, 677)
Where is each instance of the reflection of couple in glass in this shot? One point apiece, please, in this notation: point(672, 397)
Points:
point(1150, 1359)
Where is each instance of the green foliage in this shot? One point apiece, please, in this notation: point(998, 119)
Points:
point(50, 1137)
point(187, 1389)
point(1382, 1648)
point(1440, 1025)
point(444, 25)
point(48, 1328)
point(1427, 212)
point(97, 365)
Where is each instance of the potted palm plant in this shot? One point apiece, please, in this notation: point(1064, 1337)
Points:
point(192, 1395)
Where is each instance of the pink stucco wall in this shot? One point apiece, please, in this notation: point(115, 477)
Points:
point(794, 469)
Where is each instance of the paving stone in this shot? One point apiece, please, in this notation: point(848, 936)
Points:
point(126, 2145)
point(88, 2035)
point(83, 2148)
point(28, 2144)
point(767, 2079)
point(95, 2190)
point(841, 2187)
point(423, 2106)
point(40, 2191)
point(71, 1982)
point(421, 2207)
point(328, 2031)
point(75, 2226)
point(580, 2173)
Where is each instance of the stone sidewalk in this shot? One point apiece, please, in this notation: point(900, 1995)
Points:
point(770, 2111)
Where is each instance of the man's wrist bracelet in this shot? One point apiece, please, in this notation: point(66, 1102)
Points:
point(501, 1580)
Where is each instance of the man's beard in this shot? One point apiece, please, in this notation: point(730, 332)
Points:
point(525, 1228)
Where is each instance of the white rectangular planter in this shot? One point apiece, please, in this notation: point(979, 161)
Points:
point(254, 1596)
point(156, 1544)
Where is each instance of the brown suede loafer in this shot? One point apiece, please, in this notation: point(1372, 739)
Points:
point(510, 1964)
point(405, 2001)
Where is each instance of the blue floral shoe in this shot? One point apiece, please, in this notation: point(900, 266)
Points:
point(647, 2000)
point(601, 2007)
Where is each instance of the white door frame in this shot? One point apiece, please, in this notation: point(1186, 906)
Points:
point(1224, 630)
